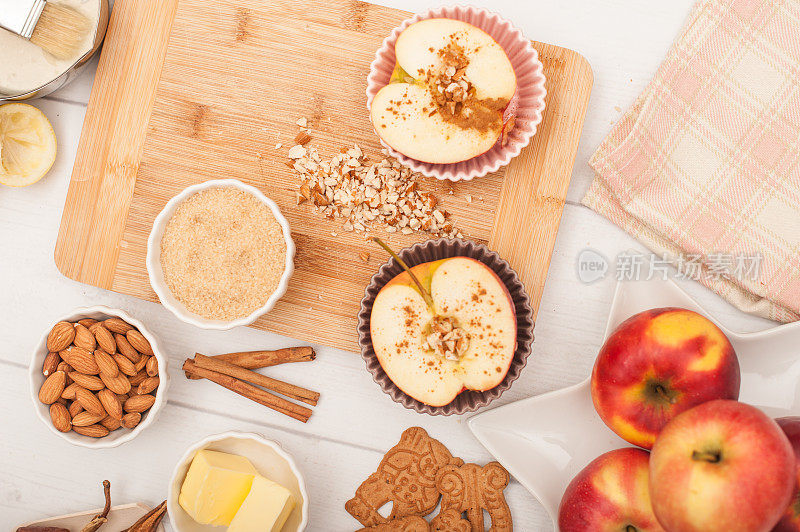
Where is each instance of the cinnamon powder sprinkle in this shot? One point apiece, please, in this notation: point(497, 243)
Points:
point(223, 253)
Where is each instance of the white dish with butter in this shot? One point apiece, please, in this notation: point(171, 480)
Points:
point(269, 460)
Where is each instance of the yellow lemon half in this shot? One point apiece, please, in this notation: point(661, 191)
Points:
point(27, 144)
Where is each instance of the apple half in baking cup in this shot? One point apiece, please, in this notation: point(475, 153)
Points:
point(465, 293)
point(446, 99)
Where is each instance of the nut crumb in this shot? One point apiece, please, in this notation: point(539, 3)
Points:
point(302, 122)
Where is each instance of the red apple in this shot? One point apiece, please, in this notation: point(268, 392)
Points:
point(722, 466)
point(790, 522)
point(611, 494)
point(658, 364)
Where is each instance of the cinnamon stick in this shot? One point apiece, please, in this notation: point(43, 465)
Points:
point(264, 359)
point(284, 388)
point(249, 391)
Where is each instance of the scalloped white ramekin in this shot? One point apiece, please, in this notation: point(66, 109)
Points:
point(117, 437)
point(267, 456)
point(156, 274)
point(526, 106)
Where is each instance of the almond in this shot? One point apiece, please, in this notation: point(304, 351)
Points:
point(60, 336)
point(118, 384)
point(69, 391)
point(84, 419)
point(75, 408)
point(60, 417)
point(131, 420)
point(117, 325)
point(137, 379)
point(63, 366)
point(89, 402)
point(110, 402)
point(141, 364)
point(87, 322)
point(53, 387)
point(84, 338)
point(152, 366)
point(125, 365)
point(104, 338)
point(147, 386)
point(50, 364)
point(111, 424)
point(106, 363)
point(125, 347)
point(94, 431)
point(90, 382)
point(139, 403)
point(139, 342)
point(81, 360)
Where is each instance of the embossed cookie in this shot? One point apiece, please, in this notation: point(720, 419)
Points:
point(471, 489)
point(406, 476)
point(412, 523)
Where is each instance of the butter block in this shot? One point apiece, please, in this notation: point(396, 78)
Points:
point(265, 509)
point(215, 486)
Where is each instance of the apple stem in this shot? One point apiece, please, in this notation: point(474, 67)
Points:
point(661, 391)
point(630, 528)
point(425, 294)
point(709, 457)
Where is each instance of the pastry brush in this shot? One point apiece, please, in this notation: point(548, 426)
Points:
point(56, 28)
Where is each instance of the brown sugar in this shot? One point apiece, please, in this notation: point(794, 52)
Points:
point(223, 253)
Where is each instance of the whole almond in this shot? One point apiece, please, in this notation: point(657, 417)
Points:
point(70, 391)
point(125, 366)
point(84, 338)
point(142, 363)
point(125, 347)
point(87, 322)
point(139, 342)
point(60, 336)
point(152, 366)
point(147, 385)
point(118, 384)
point(84, 419)
point(117, 325)
point(94, 431)
point(51, 362)
point(131, 420)
point(111, 424)
point(75, 408)
point(52, 388)
point(104, 338)
point(139, 403)
point(106, 363)
point(60, 417)
point(90, 382)
point(110, 402)
point(90, 402)
point(137, 379)
point(81, 360)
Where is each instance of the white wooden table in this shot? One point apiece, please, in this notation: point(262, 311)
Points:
point(355, 423)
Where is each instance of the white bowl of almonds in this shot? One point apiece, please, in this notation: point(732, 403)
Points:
point(98, 377)
point(220, 254)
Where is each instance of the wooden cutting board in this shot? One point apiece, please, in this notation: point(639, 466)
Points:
point(191, 90)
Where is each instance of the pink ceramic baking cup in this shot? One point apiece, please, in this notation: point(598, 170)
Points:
point(527, 105)
point(429, 251)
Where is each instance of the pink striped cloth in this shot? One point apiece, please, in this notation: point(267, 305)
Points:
point(706, 163)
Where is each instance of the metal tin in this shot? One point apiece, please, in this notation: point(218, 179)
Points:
point(429, 251)
point(74, 71)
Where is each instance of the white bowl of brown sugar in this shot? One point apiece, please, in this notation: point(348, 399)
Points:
point(220, 254)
